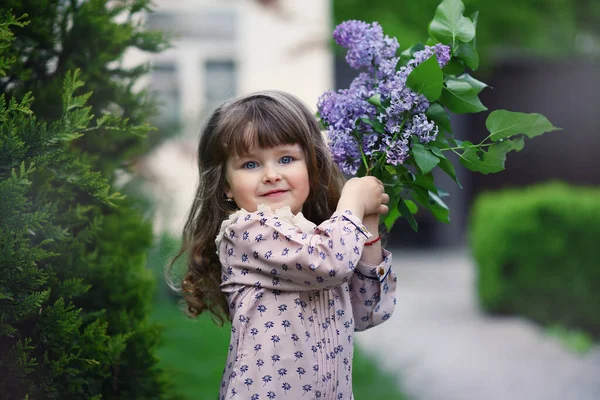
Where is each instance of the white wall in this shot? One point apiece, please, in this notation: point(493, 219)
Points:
point(287, 50)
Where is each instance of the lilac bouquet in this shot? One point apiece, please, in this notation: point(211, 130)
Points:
point(393, 121)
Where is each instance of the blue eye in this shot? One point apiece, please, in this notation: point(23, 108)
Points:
point(250, 165)
point(286, 160)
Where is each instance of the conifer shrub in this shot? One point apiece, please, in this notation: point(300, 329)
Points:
point(74, 291)
point(536, 254)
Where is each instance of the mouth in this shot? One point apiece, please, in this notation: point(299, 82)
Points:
point(274, 193)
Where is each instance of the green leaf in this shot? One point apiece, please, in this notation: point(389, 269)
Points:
point(433, 203)
point(375, 100)
point(425, 181)
point(467, 53)
point(470, 159)
point(449, 24)
point(406, 213)
point(391, 217)
point(454, 67)
point(435, 150)
point(492, 161)
point(437, 114)
point(461, 98)
point(424, 158)
point(503, 124)
point(438, 208)
point(478, 86)
point(412, 207)
point(427, 78)
point(390, 169)
point(447, 167)
point(438, 201)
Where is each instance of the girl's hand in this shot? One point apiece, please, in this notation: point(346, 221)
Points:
point(364, 196)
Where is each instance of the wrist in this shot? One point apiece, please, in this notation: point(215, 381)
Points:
point(344, 204)
point(371, 222)
point(373, 241)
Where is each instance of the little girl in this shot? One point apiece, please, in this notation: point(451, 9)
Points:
point(297, 265)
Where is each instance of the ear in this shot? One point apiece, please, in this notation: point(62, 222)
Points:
point(228, 191)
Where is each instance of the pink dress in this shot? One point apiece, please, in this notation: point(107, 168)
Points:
point(295, 299)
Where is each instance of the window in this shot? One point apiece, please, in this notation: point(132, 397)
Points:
point(219, 83)
point(165, 86)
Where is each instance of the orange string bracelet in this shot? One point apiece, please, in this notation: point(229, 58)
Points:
point(372, 242)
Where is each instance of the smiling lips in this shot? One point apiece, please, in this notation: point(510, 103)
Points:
point(274, 193)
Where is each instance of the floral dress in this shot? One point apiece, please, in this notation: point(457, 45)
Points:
point(296, 294)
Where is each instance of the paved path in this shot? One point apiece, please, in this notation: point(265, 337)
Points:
point(443, 348)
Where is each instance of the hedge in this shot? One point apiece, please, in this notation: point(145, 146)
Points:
point(536, 254)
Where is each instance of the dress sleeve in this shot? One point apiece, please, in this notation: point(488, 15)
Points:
point(263, 250)
point(373, 292)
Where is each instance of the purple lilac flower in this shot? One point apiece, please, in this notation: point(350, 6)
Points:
point(442, 52)
point(341, 111)
point(387, 68)
point(345, 151)
point(395, 84)
point(370, 144)
point(366, 44)
point(396, 151)
point(421, 127)
point(401, 97)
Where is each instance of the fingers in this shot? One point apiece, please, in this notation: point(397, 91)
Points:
point(383, 209)
point(368, 191)
point(385, 198)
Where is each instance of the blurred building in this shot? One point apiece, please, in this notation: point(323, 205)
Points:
point(220, 49)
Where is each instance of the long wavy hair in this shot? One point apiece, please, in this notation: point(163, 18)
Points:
point(263, 119)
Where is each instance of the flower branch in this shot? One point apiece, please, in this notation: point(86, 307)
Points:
point(393, 121)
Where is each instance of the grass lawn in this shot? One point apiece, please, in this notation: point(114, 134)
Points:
point(193, 353)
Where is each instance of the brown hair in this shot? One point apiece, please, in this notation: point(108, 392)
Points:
point(264, 119)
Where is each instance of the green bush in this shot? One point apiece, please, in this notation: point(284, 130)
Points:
point(536, 252)
point(74, 291)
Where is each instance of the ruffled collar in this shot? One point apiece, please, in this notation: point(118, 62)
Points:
point(285, 213)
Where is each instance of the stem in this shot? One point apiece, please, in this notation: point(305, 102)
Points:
point(364, 160)
point(362, 154)
point(460, 148)
point(458, 154)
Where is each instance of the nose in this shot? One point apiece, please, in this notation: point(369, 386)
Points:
point(271, 173)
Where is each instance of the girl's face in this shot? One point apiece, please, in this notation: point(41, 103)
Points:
point(275, 177)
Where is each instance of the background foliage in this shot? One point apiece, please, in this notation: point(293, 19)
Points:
point(547, 28)
point(92, 36)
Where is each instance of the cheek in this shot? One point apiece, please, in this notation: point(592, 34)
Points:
point(240, 184)
point(305, 182)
